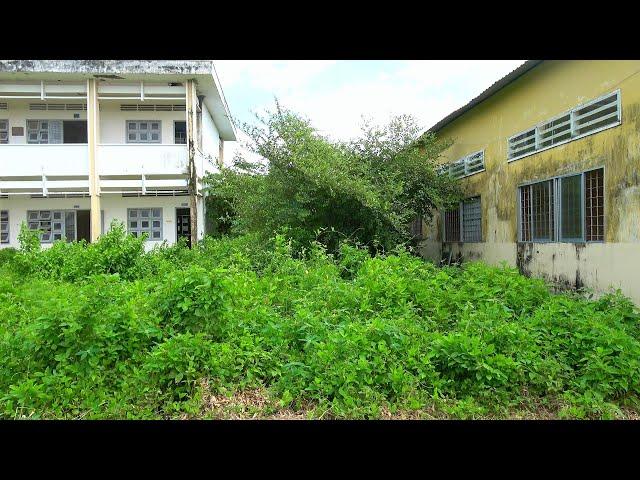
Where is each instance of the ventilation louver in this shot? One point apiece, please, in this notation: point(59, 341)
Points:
point(151, 108)
point(53, 107)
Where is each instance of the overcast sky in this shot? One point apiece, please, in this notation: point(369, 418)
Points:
point(336, 94)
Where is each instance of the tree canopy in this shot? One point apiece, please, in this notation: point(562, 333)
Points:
point(368, 189)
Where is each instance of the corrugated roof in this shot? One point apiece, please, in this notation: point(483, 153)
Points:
point(497, 86)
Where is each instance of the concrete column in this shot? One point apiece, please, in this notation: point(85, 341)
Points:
point(192, 143)
point(93, 125)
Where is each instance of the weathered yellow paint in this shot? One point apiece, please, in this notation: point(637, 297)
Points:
point(544, 92)
point(93, 121)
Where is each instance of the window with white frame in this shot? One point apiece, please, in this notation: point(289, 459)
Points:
point(464, 222)
point(4, 131)
point(4, 226)
point(465, 166)
point(145, 220)
point(44, 131)
point(53, 224)
point(591, 117)
point(564, 209)
point(144, 131)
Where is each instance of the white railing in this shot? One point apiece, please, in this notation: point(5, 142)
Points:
point(130, 159)
point(48, 160)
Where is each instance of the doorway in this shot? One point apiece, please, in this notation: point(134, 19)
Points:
point(183, 224)
point(83, 225)
point(74, 131)
point(179, 132)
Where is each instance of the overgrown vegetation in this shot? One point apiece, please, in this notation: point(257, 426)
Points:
point(109, 331)
point(368, 190)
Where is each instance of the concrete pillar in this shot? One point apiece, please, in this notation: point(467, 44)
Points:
point(93, 129)
point(192, 106)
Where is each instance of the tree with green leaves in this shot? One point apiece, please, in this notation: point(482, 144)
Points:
point(368, 190)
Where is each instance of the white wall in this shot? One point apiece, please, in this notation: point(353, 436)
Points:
point(18, 113)
point(114, 207)
point(210, 136)
point(112, 120)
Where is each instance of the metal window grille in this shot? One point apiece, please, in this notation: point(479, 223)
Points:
point(542, 211)
point(594, 205)
point(416, 227)
point(44, 131)
point(568, 209)
point(4, 131)
point(3, 106)
point(588, 118)
point(472, 220)
point(452, 225)
point(4, 226)
point(145, 220)
point(143, 131)
point(525, 213)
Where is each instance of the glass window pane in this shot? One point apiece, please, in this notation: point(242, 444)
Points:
point(571, 208)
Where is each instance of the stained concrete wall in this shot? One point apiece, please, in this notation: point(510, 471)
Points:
point(548, 90)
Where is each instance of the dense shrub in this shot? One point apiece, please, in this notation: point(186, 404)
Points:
point(108, 330)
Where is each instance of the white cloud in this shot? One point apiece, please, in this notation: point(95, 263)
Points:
point(277, 76)
point(429, 90)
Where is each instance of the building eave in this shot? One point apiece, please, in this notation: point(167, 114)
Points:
point(202, 71)
point(492, 90)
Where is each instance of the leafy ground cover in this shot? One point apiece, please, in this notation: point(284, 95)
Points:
point(238, 329)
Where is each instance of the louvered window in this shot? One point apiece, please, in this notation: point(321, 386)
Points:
point(465, 166)
point(4, 131)
point(152, 108)
point(53, 224)
point(4, 106)
point(143, 131)
point(566, 209)
point(522, 143)
point(4, 226)
point(56, 107)
point(44, 131)
point(145, 220)
point(601, 113)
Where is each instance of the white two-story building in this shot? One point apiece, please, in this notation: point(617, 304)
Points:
point(84, 142)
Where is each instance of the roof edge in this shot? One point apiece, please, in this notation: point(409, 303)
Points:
point(492, 90)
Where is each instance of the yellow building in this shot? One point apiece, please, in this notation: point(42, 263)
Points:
point(549, 160)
